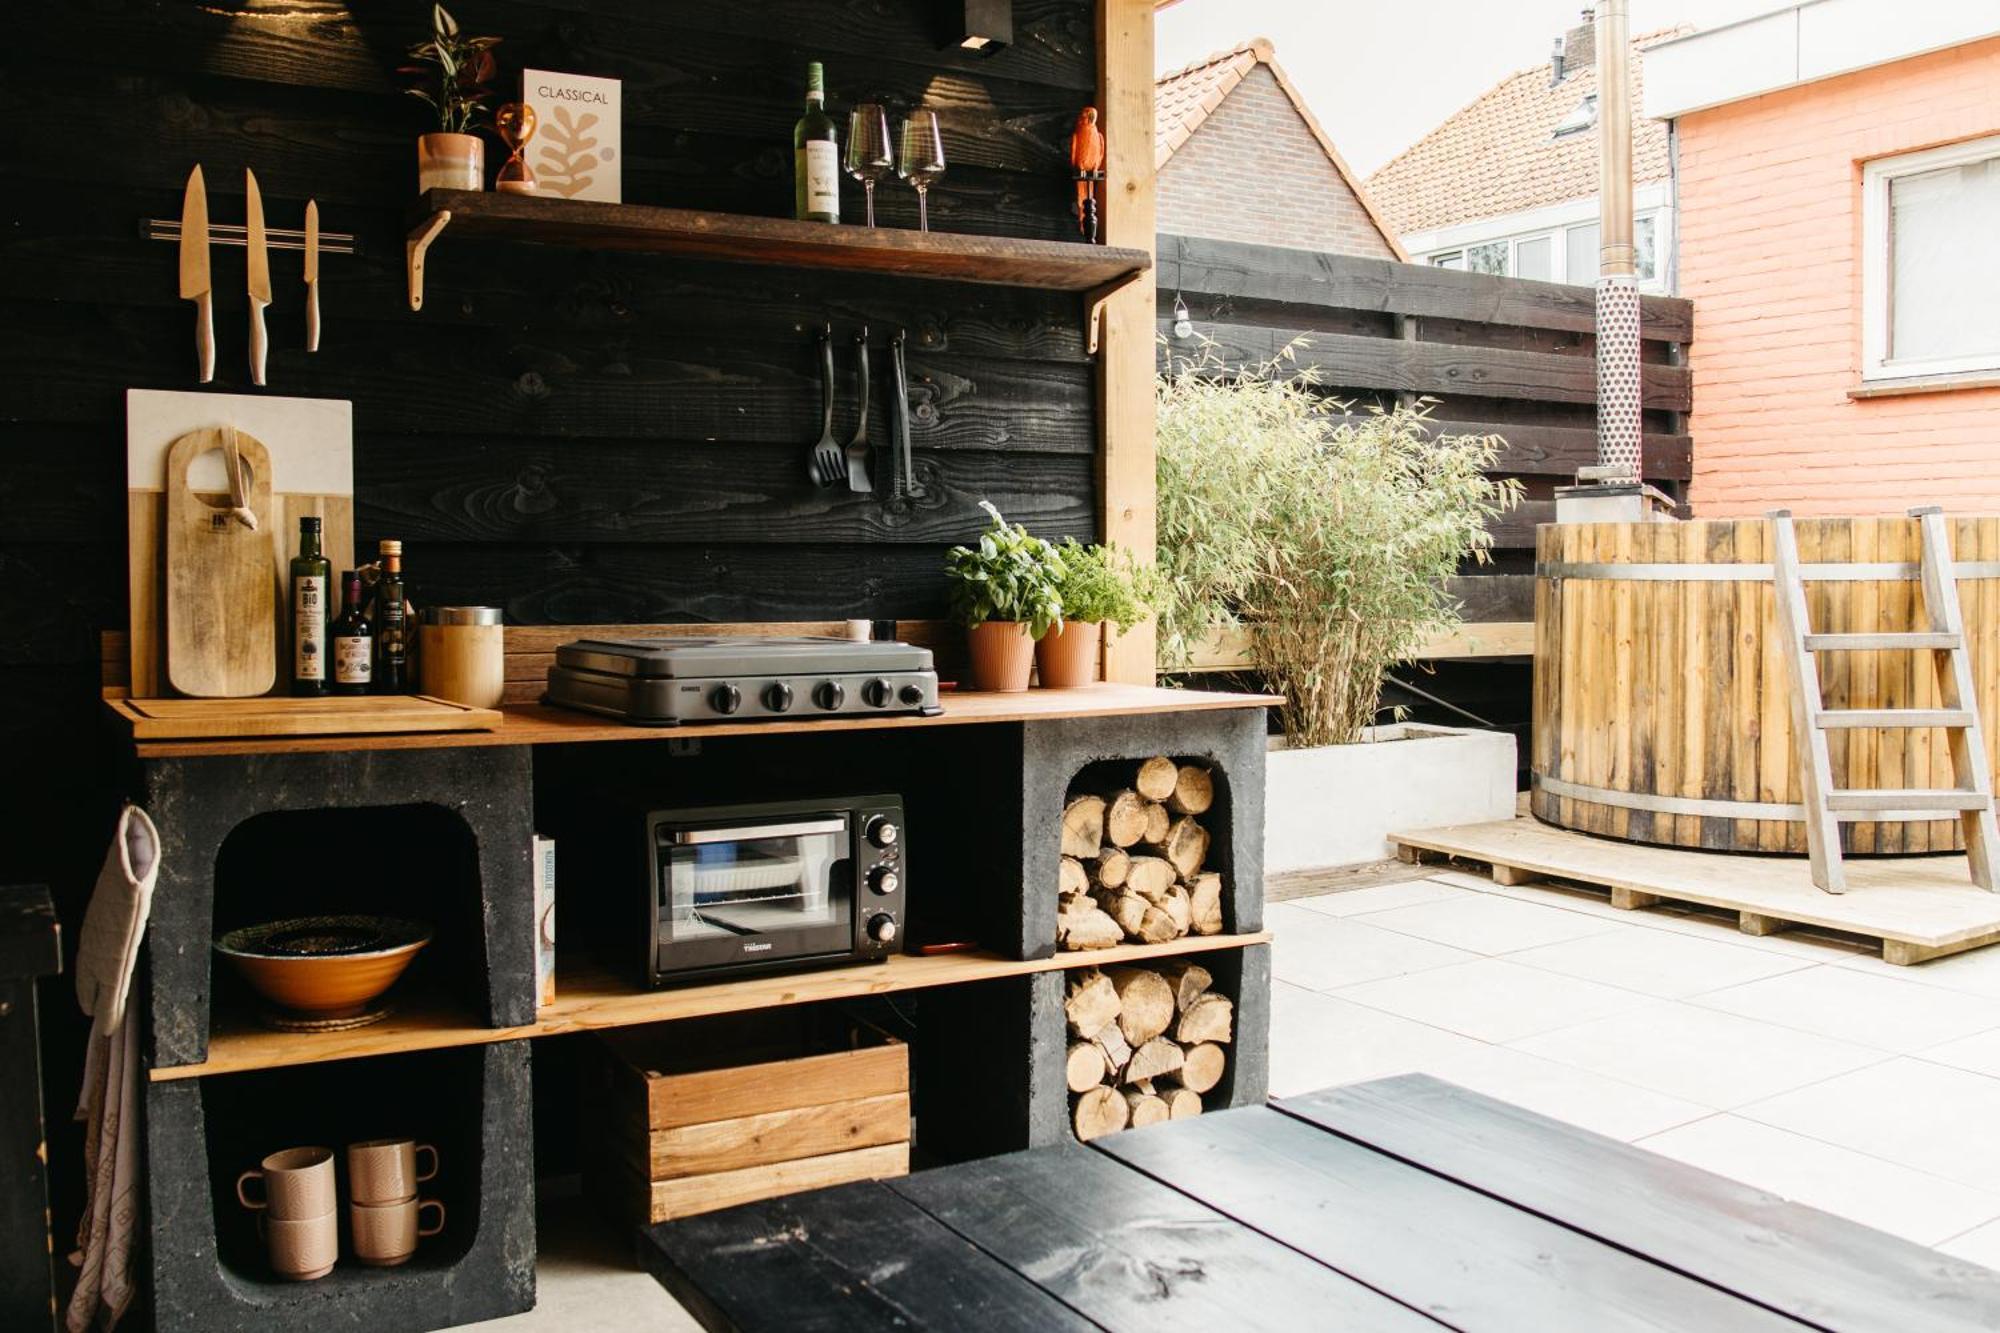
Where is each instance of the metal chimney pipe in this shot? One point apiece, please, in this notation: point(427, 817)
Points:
point(1618, 419)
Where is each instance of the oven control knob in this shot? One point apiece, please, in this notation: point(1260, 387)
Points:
point(725, 698)
point(882, 928)
point(912, 695)
point(877, 693)
point(829, 694)
point(884, 879)
point(778, 696)
point(883, 832)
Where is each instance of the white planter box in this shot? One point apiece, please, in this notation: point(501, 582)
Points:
point(1336, 805)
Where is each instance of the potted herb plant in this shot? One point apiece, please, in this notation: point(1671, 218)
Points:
point(456, 69)
point(1004, 592)
point(1326, 541)
point(1098, 585)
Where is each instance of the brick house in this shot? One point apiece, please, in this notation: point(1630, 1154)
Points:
point(1241, 158)
point(1508, 185)
point(1839, 167)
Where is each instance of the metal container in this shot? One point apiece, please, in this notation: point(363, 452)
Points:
point(461, 655)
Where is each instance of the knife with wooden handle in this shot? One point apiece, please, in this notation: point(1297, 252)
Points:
point(260, 273)
point(312, 275)
point(195, 285)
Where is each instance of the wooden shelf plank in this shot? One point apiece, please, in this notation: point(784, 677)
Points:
point(536, 724)
point(591, 1000)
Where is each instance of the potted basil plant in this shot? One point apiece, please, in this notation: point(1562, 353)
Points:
point(1098, 585)
point(456, 69)
point(1004, 592)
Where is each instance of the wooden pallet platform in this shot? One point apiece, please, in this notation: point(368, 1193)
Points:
point(1919, 907)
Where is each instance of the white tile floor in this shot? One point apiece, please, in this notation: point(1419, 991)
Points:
point(1804, 1066)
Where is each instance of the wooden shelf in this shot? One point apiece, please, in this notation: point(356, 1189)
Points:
point(1064, 266)
point(590, 999)
point(536, 724)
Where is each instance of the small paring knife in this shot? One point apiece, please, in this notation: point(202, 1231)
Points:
point(312, 275)
point(195, 284)
point(260, 273)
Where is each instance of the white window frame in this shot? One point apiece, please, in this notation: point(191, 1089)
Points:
point(1876, 314)
point(1653, 200)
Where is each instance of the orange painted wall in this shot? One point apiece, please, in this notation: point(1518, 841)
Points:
point(1770, 254)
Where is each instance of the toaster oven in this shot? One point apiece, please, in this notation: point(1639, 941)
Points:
point(792, 884)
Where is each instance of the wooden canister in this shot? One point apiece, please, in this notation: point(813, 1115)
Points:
point(461, 655)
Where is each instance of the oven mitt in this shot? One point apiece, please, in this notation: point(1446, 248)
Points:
point(107, 952)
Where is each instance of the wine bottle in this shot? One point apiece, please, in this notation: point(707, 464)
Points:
point(353, 642)
point(392, 625)
point(816, 155)
point(310, 576)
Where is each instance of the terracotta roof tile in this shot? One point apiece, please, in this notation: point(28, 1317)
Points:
point(1500, 155)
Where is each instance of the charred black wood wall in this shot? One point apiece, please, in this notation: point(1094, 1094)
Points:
point(576, 437)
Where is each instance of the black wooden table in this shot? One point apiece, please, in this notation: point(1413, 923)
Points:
point(1406, 1203)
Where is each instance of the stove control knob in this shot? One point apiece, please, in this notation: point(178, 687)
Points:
point(883, 832)
point(829, 694)
point(877, 693)
point(725, 698)
point(778, 696)
point(912, 695)
point(884, 879)
point(882, 928)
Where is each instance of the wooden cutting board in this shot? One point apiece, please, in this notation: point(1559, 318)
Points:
point(204, 719)
point(310, 441)
point(222, 614)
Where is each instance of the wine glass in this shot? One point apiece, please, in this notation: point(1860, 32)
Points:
point(920, 159)
point(869, 158)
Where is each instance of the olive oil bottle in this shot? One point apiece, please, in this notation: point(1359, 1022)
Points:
point(311, 575)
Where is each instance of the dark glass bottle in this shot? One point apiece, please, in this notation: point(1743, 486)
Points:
point(392, 624)
point(311, 576)
point(815, 156)
point(353, 642)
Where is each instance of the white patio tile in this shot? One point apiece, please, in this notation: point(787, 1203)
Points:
point(1575, 1096)
point(1922, 1115)
point(1657, 962)
point(1354, 902)
point(1981, 1246)
point(1875, 1010)
point(1913, 1204)
point(1489, 924)
point(1975, 972)
point(1320, 1041)
point(1493, 1000)
point(1979, 1053)
point(1699, 1055)
point(1321, 952)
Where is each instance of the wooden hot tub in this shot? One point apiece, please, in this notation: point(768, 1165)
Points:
point(1662, 708)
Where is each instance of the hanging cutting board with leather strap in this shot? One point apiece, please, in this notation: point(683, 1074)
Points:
point(222, 612)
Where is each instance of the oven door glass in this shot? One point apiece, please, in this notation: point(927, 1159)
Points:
point(755, 892)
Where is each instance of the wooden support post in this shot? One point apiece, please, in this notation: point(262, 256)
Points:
point(1631, 900)
point(1513, 875)
point(1753, 923)
point(1125, 356)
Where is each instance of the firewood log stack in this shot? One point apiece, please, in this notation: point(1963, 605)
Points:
point(1145, 1042)
point(1133, 861)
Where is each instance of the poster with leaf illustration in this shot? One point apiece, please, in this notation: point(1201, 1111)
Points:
point(576, 149)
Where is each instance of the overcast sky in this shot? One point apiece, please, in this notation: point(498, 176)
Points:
point(1380, 74)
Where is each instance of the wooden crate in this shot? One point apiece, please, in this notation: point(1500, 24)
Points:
point(705, 1114)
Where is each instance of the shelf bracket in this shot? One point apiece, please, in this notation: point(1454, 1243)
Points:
point(1093, 305)
point(419, 241)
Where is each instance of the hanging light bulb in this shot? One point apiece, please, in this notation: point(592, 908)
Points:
point(1183, 326)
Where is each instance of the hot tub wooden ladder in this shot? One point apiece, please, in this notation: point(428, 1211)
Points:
point(1942, 635)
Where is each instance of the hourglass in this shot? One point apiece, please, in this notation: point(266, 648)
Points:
point(515, 124)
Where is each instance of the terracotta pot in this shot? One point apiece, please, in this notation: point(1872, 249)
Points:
point(1067, 655)
point(451, 162)
point(1002, 656)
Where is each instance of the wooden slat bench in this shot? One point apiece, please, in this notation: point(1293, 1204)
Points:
point(1405, 1203)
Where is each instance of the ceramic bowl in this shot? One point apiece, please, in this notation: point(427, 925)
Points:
point(324, 966)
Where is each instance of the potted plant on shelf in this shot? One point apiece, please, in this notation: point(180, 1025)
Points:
point(1324, 541)
point(1098, 585)
point(1004, 592)
point(457, 69)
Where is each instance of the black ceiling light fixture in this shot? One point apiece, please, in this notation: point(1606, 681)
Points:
point(982, 27)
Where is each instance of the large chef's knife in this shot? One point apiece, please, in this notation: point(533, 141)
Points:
point(260, 272)
point(312, 275)
point(195, 285)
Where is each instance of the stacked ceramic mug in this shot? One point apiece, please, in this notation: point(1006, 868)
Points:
point(383, 1211)
point(296, 1214)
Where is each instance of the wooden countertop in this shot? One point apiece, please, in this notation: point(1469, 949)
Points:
point(537, 724)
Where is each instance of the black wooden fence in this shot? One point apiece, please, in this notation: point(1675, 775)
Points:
point(1500, 356)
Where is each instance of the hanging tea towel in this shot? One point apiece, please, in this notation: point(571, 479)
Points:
point(107, 956)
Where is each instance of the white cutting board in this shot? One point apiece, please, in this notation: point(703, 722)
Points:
point(311, 442)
